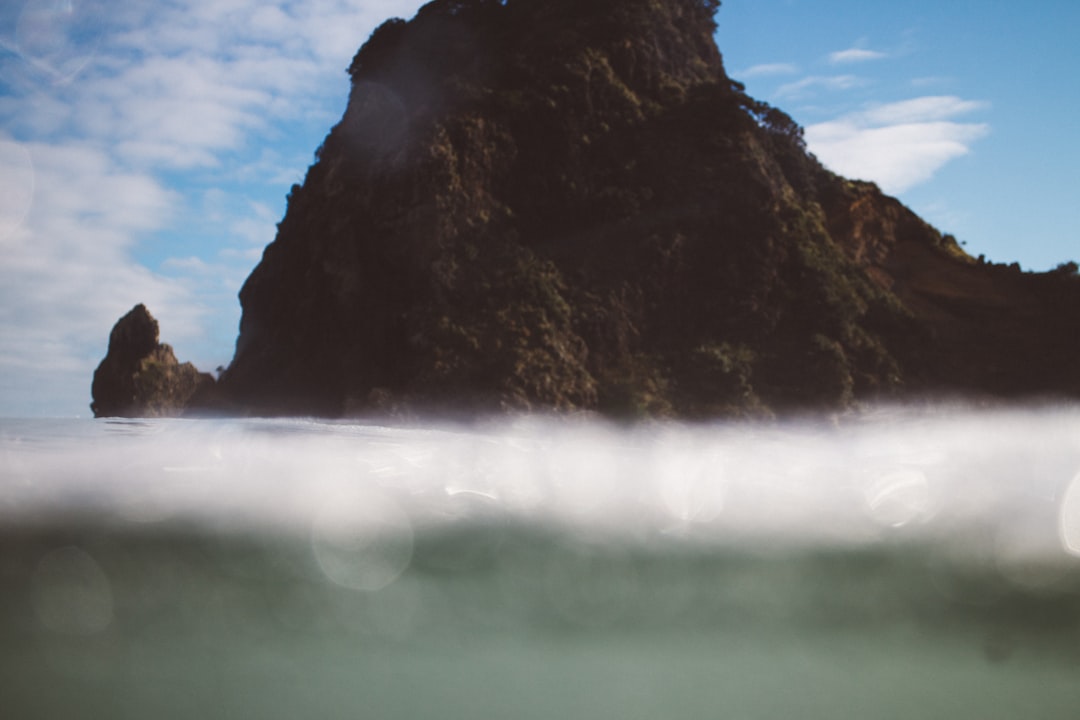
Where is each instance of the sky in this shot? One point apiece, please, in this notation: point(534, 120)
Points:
point(146, 149)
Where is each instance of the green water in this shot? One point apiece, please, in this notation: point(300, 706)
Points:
point(899, 567)
point(505, 622)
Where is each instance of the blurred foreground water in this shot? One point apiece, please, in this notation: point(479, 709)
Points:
point(894, 564)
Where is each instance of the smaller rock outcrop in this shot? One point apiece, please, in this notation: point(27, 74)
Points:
point(141, 377)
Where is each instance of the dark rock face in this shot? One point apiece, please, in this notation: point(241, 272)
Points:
point(141, 377)
point(567, 204)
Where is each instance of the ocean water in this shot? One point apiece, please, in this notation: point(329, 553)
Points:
point(891, 564)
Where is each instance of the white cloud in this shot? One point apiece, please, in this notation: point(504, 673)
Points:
point(113, 111)
point(855, 55)
point(897, 145)
point(190, 264)
point(65, 276)
point(256, 226)
point(180, 81)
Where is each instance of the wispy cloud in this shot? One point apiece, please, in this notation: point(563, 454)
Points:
point(898, 145)
point(768, 69)
point(111, 115)
point(930, 81)
point(920, 110)
point(807, 85)
point(855, 55)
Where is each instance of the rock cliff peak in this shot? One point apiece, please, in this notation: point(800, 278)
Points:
point(140, 377)
point(567, 204)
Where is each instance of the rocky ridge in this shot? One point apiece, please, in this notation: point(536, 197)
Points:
point(568, 204)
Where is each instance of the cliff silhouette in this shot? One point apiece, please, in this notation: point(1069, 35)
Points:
point(568, 204)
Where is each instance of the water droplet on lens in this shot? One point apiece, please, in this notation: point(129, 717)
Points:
point(900, 498)
point(58, 38)
point(362, 541)
point(16, 186)
point(1069, 518)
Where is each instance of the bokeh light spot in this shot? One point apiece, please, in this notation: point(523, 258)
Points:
point(16, 186)
point(362, 541)
point(58, 38)
point(899, 498)
point(1069, 518)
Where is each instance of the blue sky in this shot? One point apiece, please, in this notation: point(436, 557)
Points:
point(965, 110)
point(146, 149)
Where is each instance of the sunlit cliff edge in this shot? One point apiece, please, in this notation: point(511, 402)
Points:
point(569, 205)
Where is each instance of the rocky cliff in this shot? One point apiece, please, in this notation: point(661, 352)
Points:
point(141, 377)
point(568, 204)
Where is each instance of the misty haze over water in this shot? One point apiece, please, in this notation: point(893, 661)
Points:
point(894, 563)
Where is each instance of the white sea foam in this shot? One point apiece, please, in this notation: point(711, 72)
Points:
point(1011, 476)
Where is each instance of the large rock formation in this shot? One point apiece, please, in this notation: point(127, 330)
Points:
point(141, 377)
point(568, 204)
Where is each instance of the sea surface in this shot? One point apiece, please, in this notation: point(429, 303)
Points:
point(895, 563)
